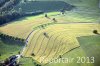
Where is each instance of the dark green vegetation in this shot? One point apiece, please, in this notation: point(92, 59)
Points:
point(9, 48)
point(7, 13)
point(44, 6)
point(6, 5)
point(8, 38)
point(84, 9)
point(12, 10)
point(9, 45)
point(95, 32)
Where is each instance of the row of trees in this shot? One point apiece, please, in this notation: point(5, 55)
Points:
point(4, 36)
point(96, 32)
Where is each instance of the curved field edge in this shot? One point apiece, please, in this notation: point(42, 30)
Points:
point(91, 46)
point(92, 16)
point(23, 27)
point(68, 30)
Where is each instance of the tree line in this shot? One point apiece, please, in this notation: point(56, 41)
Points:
point(8, 37)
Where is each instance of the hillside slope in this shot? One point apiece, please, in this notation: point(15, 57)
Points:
point(44, 6)
point(55, 36)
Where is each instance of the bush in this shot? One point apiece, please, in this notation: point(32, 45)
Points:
point(0, 54)
point(32, 54)
point(95, 32)
point(11, 38)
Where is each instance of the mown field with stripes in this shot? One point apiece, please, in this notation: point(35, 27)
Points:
point(70, 35)
point(55, 40)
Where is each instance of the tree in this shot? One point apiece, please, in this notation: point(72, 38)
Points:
point(2, 2)
point(46, 35)
point(60, 56)
point(38, 65)
point(63, 11)
point(42, 26)
point(1, 35)
point(10, 37)
point(32, 54)
point(6, 62)
point(16, 38)
point(95, 32)
point(22, 40)
point(0, 54)
point(54, 20)
point(6, 13)
point(7, 5)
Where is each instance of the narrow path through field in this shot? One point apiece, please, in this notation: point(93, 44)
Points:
point(26, 41)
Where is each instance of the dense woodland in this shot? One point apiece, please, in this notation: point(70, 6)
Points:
point(7, 13)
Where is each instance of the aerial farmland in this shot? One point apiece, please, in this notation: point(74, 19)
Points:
point(49, 33)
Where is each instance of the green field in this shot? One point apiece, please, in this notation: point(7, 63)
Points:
point(8, 49)
point(90, 44)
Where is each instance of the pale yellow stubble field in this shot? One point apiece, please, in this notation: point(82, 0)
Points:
point(61, 37)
